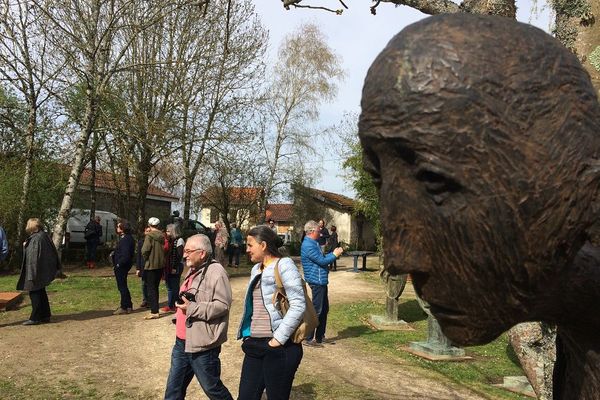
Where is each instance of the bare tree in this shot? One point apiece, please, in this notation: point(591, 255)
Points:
point(220, 83)
point(91, 37)
point(27, 67)
point(305, 75)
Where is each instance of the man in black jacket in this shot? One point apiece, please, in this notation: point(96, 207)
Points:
point(92, 235)
point(122, 259)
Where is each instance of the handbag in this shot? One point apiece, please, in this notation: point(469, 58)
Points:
point(310, 320)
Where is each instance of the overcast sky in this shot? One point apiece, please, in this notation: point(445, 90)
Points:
point(357, 37)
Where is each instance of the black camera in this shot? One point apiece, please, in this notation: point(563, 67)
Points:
point(187, 295)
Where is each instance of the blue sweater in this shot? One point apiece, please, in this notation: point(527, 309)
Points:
point(315, 264)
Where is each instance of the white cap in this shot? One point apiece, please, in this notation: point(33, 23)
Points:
point(153, 221)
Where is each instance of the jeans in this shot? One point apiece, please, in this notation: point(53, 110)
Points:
point(40, 306)
point(205, 365)
point(173, 282)
point(320, 300)
point(91, 246)
point(234, 252)
point(152, 284)
point(121, 278)
point(268, 368)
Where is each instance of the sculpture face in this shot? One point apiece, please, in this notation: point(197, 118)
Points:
point(485, 175)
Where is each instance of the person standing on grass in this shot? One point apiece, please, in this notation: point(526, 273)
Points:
point(139, 268)
point(200, 324)
point(174, 265)
point(316, 274)
point(270, 357)
point(92, 236)
point(122, 259)
point(3, 245)
point(38, 269)
point(154, 262)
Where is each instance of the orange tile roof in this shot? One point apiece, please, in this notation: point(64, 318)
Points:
point(337, 199)
point(105, 180)
point(279, 212)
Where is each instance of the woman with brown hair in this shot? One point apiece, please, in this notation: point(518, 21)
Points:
point(271, 357)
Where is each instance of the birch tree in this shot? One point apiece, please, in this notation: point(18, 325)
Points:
point(305, 75)
point(29, 70)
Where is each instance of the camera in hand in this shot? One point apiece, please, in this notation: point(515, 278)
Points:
point(188, 295)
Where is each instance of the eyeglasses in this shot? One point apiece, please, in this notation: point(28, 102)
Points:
point(188, 251)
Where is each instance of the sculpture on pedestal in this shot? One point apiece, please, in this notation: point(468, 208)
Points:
point(483, 136)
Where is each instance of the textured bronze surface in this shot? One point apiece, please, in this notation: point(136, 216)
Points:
point(482, 135)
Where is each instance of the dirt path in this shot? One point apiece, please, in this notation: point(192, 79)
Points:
point(109, 356)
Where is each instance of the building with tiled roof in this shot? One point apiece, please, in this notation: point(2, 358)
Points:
point(111, 196)
point(353, 228)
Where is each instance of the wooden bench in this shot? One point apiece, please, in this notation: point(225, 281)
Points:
point(9, 299)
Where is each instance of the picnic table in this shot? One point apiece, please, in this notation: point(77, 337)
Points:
point(359, 253)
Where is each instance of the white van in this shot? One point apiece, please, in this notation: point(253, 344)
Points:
point(80, 218)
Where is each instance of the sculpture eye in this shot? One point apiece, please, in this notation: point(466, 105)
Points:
point(439, 186)
point(371, 166)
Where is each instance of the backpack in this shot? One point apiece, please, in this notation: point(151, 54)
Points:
point(310, 320)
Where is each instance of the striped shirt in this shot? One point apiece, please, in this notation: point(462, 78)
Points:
point(260, 326)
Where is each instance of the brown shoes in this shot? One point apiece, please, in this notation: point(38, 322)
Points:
point(152, 316)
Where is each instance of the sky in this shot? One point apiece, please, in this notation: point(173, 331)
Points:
point(357, 37)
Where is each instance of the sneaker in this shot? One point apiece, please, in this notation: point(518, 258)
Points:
point(120, 311)
point(129, 309)
point(31, 322)
point(312, 343)
point(144, 304)
point(328, 341)
point(167, 309)
point(152, 316)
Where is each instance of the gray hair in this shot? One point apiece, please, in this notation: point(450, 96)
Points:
point(176, 230)
point(311, 226)
point(202, 243)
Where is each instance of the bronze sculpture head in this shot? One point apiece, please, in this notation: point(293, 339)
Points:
point(482, 135)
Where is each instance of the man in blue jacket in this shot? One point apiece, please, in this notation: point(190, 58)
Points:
point(122, 259)
point(316, 273)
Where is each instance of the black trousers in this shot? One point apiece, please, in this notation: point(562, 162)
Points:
point(40, 306)
point(152, 283)
point(269, 369)
point(121, 278)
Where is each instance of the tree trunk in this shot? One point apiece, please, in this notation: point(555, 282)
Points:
point(505, 8)
point(576, 28)
point(187, 196)
point(93, 178)
point(91, 111)
point(30, 140)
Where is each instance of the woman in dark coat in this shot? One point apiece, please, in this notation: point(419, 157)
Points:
point(38, 270)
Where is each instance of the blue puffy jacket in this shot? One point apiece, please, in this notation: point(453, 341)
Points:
point(314, 263)
point(282, 327)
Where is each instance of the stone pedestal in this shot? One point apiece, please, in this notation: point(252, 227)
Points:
point(437, 346)
point(518, 384)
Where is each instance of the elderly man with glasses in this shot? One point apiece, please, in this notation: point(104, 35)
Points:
point(201, 323)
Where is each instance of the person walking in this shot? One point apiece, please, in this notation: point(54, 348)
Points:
point(122, 259)
point(316, 274)
point(154, 262)
point(38, 269)
point(3, 244)
point(201, 323)
point(271, 358)
point(221, 242)
point(173, 265)
point(235, 246)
